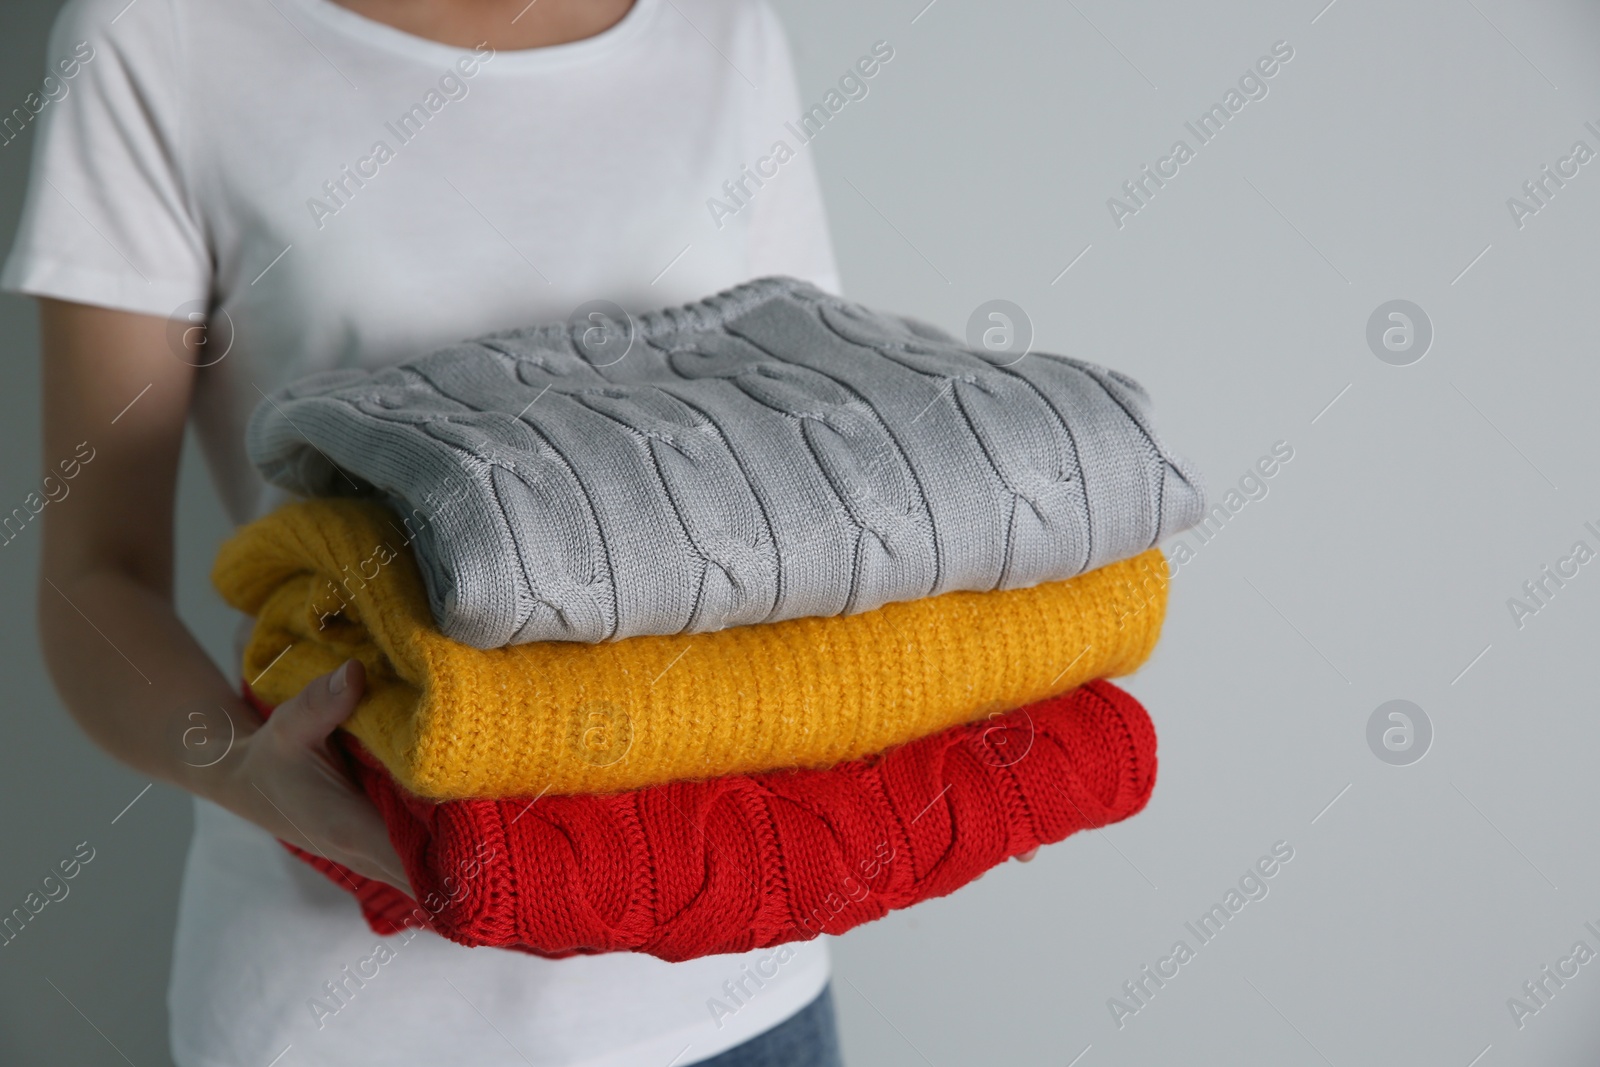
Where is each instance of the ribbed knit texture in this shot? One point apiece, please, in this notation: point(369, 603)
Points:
point(698, 868)
point(451, 721)
point(769, 453)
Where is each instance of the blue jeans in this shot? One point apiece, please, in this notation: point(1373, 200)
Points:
point(809, 1038)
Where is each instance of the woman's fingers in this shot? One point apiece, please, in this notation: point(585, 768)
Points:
point(312, 805)
point(366, 848)
point(316, 711)
point(1024, 857)
point(298, 787)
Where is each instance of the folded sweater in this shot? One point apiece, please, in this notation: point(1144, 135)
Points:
point(328, 579)
point(768, 453)
point(697, 868)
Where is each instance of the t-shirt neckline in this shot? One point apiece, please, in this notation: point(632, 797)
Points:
point(423, 49)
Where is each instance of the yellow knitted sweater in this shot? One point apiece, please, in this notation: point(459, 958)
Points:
point(329, 579)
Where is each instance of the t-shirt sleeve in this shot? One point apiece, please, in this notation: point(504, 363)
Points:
point(788, 223)
point(108, 218)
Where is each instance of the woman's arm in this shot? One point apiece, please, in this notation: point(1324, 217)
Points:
point(126, 667)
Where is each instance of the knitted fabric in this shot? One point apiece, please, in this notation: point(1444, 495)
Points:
point(451, 721)
point(698, 868)
point(771, 452)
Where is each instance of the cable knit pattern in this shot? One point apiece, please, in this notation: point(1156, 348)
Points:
point(698, 868)
point(332, 578)
point(772, 452)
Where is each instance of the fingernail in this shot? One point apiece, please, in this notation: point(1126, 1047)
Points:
point(336, 681)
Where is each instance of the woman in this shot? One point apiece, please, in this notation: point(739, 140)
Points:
point(234, 194)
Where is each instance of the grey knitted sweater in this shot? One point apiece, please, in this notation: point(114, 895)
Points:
point(767, 453)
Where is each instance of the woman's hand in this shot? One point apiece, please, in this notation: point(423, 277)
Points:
point(117, 392)
point(288, 778)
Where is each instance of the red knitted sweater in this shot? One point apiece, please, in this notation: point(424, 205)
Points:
point(697, 868)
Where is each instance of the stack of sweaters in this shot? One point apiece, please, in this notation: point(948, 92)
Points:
point(793, 614)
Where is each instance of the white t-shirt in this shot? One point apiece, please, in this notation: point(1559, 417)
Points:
point(345, 194)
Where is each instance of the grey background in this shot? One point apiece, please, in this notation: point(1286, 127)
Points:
point(1378, 567)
